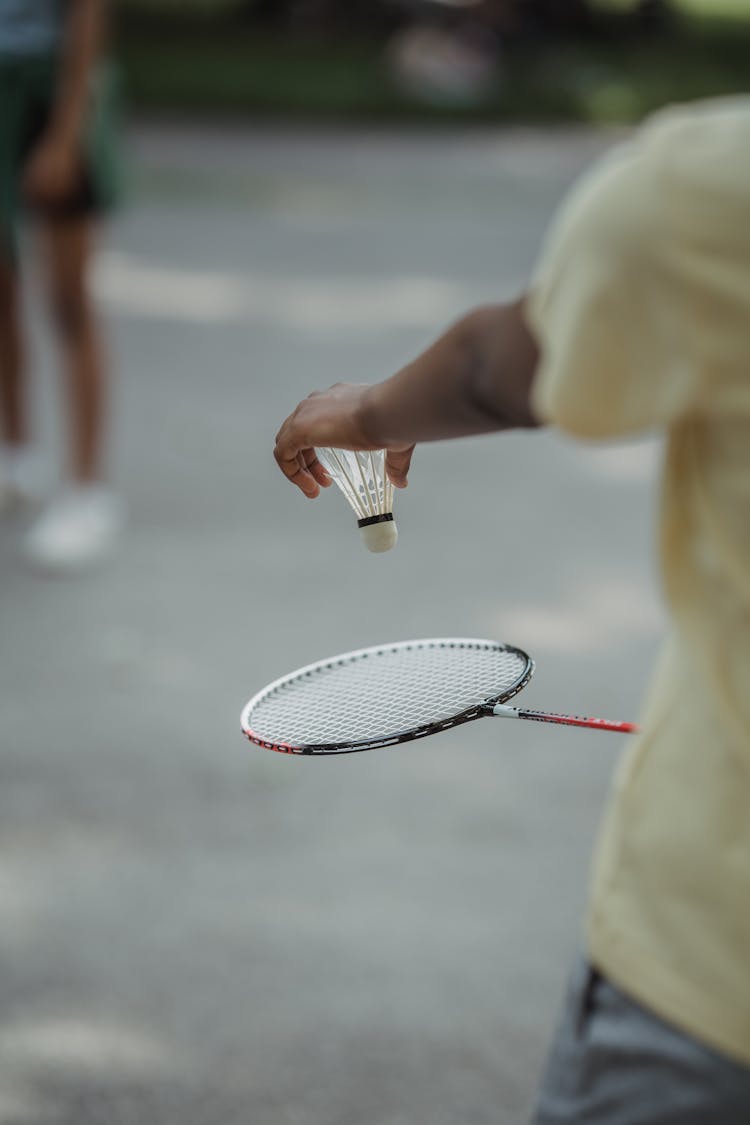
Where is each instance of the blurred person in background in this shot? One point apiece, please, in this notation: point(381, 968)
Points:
point(451, 51)
point(57, 158)
point(638, 318)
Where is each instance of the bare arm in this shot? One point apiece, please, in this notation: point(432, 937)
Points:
point(84, 37)
point(475, 379)
point(55, 163)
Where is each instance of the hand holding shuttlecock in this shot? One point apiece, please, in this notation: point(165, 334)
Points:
point(362, 478)
point(323, 441)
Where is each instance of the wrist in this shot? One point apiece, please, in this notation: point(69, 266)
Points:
point(366, 418)
point(67, 132)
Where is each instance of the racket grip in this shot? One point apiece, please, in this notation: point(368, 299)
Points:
point(504, 711)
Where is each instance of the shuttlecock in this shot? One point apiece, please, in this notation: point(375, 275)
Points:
point(363, 481)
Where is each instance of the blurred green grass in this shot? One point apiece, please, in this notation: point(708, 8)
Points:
point(212, 69)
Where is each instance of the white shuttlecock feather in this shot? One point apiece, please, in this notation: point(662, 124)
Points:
point(362, 479)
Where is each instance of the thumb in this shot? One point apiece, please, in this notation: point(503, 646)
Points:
point(397, 466)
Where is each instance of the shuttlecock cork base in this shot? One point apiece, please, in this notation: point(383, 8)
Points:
point(362, 478)
point(379, 533)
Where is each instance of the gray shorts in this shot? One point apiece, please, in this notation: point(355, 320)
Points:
point(614, 1063)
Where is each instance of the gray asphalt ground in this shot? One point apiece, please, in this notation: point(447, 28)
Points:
point(194, 931)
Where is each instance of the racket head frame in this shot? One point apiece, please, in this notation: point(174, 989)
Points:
point(475, 711)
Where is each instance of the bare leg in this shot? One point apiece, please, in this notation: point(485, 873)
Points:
point(12, 403)
point(67, 247)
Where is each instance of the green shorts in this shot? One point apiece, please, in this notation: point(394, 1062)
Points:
point(27, 91)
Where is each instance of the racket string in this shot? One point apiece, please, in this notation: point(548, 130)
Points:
point(378, 693)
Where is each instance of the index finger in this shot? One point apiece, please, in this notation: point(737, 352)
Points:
point(293, 465)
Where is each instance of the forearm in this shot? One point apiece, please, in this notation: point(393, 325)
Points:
point(474, 379)
point(83, 43)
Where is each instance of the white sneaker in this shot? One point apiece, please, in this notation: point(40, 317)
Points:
point(23, 476)
point(77, 530)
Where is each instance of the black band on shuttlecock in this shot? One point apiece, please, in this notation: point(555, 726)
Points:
point(386, 517)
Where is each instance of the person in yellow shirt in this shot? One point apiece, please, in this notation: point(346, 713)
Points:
point(638, 317)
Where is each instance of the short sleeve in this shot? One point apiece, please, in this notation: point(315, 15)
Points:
point(611, 299)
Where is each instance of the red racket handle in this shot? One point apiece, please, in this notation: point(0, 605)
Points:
point(504, 711)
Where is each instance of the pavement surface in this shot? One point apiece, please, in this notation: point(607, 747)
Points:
point(194, 931)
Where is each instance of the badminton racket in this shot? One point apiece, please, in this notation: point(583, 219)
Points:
point(388, 694)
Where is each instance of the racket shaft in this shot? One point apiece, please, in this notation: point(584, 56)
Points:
point(502, 710)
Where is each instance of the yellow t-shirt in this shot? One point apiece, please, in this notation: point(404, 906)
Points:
point(641, 305)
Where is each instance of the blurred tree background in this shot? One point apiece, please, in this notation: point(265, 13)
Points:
point(422, 60)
